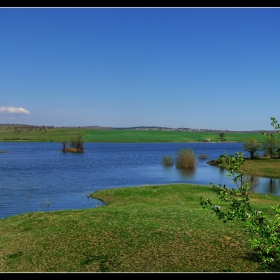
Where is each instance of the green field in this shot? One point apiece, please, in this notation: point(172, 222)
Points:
point(58, 134)
point(38, 134)
point(159, 228)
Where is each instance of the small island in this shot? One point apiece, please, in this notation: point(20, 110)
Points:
point(76, 145)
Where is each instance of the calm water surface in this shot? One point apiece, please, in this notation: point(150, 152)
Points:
point(39, 177)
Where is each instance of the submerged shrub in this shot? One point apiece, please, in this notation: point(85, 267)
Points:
point(186, 158)
point(167, 160)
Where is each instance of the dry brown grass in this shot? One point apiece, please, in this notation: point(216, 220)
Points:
point(73, 150)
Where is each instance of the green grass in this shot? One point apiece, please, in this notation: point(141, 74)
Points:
point(263, 167)
point(162, 136)
point(159, 228)
point(260, 167)
point(37, 134)
point(8, 133)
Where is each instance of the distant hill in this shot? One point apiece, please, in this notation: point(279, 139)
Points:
point(139, 128)
point(98, 127)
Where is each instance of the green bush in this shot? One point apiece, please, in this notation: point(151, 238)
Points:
point(186, 158)
point(252, 146)
point(167, 160)
point(263, 229)
point(270, 145)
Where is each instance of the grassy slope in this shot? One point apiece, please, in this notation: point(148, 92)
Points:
point(142, 229)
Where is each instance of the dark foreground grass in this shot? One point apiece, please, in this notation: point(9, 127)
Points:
point(159, 228)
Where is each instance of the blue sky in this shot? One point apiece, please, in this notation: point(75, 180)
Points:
point(214, 68)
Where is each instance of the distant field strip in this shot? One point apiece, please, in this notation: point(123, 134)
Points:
point(163, 136)
point(47, 134)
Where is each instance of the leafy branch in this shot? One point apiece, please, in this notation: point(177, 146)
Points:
point(264, 231)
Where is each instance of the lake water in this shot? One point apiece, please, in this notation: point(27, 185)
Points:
point(39, 177)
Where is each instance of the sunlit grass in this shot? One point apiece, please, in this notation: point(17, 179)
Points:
point(263, 167)
point(159, 228)
point(163, 136)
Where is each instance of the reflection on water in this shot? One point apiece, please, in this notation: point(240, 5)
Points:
point(251, 179)
point(271, 185)
point(186, 173)
point(222, 170)
point(262, 185)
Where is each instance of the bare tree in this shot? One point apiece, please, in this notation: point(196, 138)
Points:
point(64, 144)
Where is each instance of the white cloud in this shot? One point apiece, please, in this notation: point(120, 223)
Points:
point(13, 110)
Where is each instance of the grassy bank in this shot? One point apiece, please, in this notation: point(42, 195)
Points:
point(263, 167)
point(141, 229)
point(55, 134)
point(259, 167)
